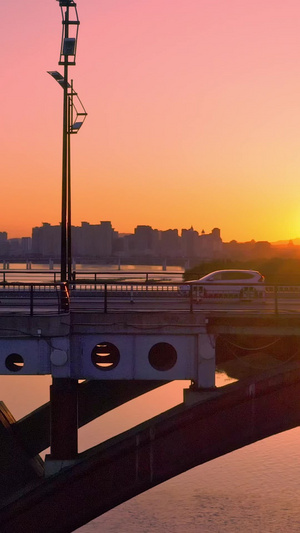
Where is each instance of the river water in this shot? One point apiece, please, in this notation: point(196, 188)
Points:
point(254, 489)
point(38, 272)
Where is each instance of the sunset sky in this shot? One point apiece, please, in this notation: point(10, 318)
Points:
point(193, 116)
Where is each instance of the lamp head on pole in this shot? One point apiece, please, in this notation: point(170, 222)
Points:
point(78, 110)
point(70, 26)
point(64, 3)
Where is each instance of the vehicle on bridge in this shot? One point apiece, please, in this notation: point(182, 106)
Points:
point(244, 284)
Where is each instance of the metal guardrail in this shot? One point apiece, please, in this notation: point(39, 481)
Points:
point(30, 297)
point(110, 291)
point(273, 294)
point(136, 291)
point(58, 297)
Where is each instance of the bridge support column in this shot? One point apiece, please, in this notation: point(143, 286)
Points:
point(206, 362)
point(63, 419)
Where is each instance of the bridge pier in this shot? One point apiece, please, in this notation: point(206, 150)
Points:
point(63, 423)
point(206, 362)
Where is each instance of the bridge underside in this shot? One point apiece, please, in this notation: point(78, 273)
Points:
point(95, 398)
point(206, 426)
point(21, 441)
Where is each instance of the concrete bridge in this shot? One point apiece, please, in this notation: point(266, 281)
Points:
point(121, 356)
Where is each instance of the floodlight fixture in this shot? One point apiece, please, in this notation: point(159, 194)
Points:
point(63, 3)
point(77, 109)
point(59, 78)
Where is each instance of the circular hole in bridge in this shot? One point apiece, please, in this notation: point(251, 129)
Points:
point(14, 362)
point(162, 356)
point(105, 356)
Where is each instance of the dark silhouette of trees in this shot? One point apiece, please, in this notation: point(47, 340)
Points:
point(277, 270)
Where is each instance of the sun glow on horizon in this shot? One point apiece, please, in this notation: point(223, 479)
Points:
point(193, 117)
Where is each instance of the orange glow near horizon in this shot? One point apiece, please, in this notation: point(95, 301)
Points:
point(193, 116)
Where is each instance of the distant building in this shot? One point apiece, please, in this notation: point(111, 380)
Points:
point(26, 246)
point(14, 247)
point(209, 245)
point(170, 244)
point(93, 240)
point(4, 248)
point(189, 241)
point(46, 240)
point(145, 241)
point(88, 240)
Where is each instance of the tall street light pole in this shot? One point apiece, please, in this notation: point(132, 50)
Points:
point(69, 218)
point(70, 25)
point(74, 115)
point(63, 391)
point(63, 271)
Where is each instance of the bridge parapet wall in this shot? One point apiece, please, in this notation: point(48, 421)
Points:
point(128, 346)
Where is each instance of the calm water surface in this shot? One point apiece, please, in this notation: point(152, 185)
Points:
point(254, 489)
point(42, 273)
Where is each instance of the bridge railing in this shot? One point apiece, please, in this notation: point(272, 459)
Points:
point(114, 295)
point(30, 298)
point(273, 298)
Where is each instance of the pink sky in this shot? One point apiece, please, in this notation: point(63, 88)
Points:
point(194, 116)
